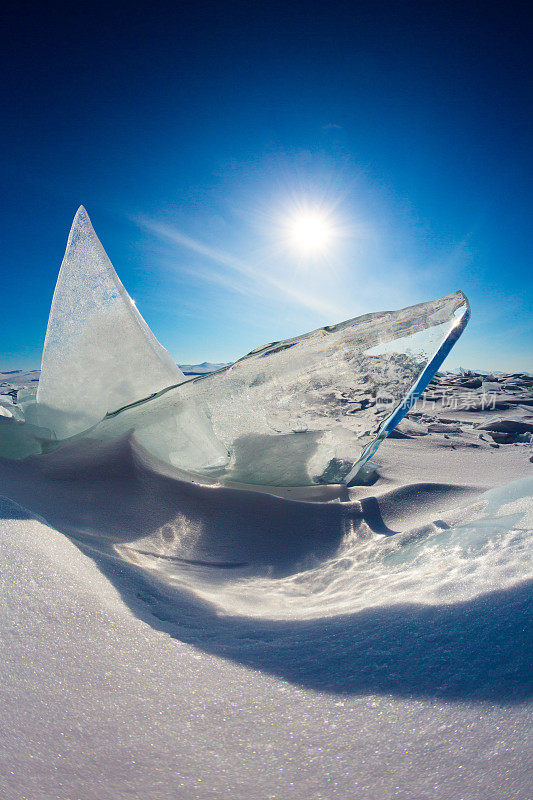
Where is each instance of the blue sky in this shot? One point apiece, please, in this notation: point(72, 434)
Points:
point(192, 133)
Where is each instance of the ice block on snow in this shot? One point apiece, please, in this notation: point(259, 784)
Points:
point(311, 409)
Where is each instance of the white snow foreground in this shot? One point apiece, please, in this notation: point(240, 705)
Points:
point(396, 668)
point(300, 412)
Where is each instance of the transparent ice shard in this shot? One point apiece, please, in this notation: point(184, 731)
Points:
point(99, 353)
point(306, 410)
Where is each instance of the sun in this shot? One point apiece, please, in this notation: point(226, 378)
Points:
point(310, 232)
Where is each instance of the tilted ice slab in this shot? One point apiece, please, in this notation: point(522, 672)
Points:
point(306, 410)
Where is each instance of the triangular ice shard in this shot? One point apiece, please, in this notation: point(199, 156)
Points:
point(99, 353)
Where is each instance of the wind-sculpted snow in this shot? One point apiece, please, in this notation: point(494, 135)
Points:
point(307, 410)
point(481, 546)
point(300, 556)
point(363, 649)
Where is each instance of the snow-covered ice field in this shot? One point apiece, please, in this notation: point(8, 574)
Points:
point(162, 639)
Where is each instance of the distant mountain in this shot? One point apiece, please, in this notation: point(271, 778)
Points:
point(201, 369)
point(17, 378)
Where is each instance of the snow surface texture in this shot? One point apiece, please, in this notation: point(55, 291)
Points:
point(366, 642)
point(308, 410)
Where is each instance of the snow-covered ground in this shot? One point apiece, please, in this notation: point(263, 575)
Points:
point(162, 639)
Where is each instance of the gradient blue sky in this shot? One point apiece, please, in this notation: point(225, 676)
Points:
point(192, 131)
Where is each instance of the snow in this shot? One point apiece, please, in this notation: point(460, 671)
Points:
point(364, 642)
point(110, 690)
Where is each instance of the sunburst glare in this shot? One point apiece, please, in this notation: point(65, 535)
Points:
point(310, 232)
